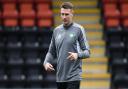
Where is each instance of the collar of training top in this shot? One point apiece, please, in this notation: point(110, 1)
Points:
point(67, 26)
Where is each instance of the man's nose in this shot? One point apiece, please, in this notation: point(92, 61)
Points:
point(64, 16)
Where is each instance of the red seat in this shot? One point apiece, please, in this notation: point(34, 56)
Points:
point(10, 14)
point(44, 22)
point(27, 14)
point(112, 13)
point(112, 23)
point(125, 23)
point(110, 10)
point(47, 14)
point(9, 6)
point(9, 10)
point(44, 13)
point(10, 22)
point(27, 11)
point(124, 10)
point(43, 6)
point(26, 6)
point(110, 6)
point(27, 22)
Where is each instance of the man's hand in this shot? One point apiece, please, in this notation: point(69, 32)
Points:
point(72, 56)
point(49, 67)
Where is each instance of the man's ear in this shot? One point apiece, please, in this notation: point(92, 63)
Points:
point(72, 11)
point(71, 14)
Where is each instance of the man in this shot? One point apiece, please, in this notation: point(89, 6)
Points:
point(69, 46)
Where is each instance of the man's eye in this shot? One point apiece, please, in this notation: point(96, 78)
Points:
point(62, 14)
point(66, 14)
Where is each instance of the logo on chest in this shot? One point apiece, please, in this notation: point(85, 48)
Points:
point(59, 36)
point(71, 35)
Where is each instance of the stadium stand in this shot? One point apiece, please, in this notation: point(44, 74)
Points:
point(25, 33)
point(115, 32)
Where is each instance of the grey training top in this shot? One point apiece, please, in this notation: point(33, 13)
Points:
point(68, 39)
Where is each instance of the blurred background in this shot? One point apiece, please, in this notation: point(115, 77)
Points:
point(26, 28)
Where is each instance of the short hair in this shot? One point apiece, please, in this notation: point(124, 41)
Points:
point(67, 5)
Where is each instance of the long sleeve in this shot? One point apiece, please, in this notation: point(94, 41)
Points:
point(84, 46)
point(51, 54)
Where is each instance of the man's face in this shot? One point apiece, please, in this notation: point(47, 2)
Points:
point(66, 15)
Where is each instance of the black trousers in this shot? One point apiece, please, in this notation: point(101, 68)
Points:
point(68, 85)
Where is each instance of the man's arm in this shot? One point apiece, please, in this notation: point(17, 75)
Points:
point(84, 46)
point(50, 56)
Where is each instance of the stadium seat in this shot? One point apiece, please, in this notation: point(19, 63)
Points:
point(34, 74)
point(33, 61)
point(48, 13)
point(111, 18)
point(9, 6)
point(16, 74)
point(44, 23)
point(32, 58)
point(125, 23)
point(11, 24)
point(44, 41)
point(13, 41)
point(112, 29)
point(22, 46)
point(9, 10)
point(113, 13)
point(120, 81)
point(3, 76)
point(25, 6)
point(115, 23)
point(14, 58)
point(28, 24)
point(124, 11)
point(109, 6)
point(43, 6)
point(124, 16)
point(117, 53)
point(30, 41)
point(44, 20)
point(27, 16)
point(26, 10)
point(119, 64)
point(10, 16)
